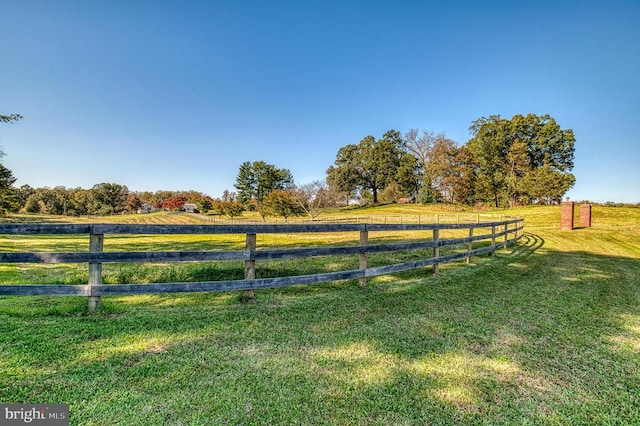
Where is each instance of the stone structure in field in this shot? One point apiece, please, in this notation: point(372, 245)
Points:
point(567, 215)
point(585, 215)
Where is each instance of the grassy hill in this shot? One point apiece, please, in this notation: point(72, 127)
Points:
point(548, 333)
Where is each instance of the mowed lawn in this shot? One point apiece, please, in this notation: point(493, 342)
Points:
point(545, 333)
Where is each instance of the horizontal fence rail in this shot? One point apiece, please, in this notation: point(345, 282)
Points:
point(387, 218)
point(502, 232)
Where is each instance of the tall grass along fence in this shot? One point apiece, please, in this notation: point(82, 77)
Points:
point(487, 235)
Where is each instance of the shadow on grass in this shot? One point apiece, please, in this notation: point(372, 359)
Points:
point(532, 336)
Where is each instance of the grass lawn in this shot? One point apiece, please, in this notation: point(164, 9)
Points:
point(548, 333)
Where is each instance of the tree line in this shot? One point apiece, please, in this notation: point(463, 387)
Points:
point(103, 199)
point(506, 162)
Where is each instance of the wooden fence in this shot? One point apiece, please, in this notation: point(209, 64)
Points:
point(502, 232)
point(380, 218)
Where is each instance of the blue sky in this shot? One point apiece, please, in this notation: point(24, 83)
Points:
point(176, 95)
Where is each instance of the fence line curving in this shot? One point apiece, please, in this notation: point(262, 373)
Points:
point(502, 232)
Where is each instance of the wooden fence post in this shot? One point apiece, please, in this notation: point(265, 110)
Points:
point(436, 250)
point(506, 236)
point(470, 246)
point(520, 232)
point(493, 240)
point(364, 241)
point(96, 245)
point(250, 265)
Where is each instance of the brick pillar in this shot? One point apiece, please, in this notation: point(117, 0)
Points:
point(585, 215)
point(567, 215)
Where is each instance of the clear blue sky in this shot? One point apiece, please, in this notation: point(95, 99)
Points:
point(176, 95)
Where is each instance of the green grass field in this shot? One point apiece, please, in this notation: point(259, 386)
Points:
point(547, 333)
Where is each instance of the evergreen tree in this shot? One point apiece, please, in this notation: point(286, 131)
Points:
point(8, 194)
point(258, 179)
point(9, 197)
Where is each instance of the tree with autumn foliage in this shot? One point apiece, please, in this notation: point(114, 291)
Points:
point(133, 203)
point(174, 203)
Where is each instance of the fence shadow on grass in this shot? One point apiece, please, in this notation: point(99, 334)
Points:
point(535, 336)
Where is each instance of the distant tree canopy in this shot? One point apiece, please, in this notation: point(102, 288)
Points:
point(109, 198)
point(522, 160)
point(103, 199)
point(258, 179)
point(281, 203)
point(227, 208)
point(373, 164)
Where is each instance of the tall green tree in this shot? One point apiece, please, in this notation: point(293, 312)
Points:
point(546, 185)
point(507, 151)
point(281, 203)
point(489, 146)
point(258, 179)
point(370, 165)
point(343, 176)
point(8, 195)
point(440, 168)
point(48, 201)
point(24, 192)
point(409, 176)
point(246, 182)
point(517, 167)
point(462, 179)
point(78, 202)
point(109, 198)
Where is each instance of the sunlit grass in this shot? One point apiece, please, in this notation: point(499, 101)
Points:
point(547, 332)
point(137, 273)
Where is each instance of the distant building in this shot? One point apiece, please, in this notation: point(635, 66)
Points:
point(147, 208)
point(190, 208)
point(404, 200)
